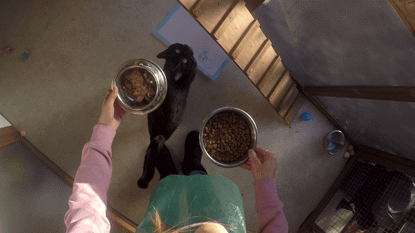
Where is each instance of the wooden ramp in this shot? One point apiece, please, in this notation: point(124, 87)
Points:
point(232, 26)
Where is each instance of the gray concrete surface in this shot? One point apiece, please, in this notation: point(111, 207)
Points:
point(76, 48)
point(384, 125)
point(32, 197)
point(340, 42)
point(329, 43)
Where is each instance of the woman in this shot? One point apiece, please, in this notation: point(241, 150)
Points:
point(176, 200)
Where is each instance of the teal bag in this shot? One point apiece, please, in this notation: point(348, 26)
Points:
point(184, 200)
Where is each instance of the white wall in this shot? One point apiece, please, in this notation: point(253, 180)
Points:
point(4, 122)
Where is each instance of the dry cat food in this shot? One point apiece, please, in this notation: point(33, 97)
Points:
point(139, 86)
point(226, 137)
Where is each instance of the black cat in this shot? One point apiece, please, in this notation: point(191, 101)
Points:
point(180, 70)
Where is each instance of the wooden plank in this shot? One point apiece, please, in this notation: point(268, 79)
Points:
point(121, 220)
point(269, 68)
point(406, 13)
point(112, 214)
point(293, 110)
point(272, 77)
point(283, 96)
point(8, 135)
point(250, 49)
point(393, 93)
point(281, 89)
point(262, 65)
point(239, 35)
point(228, 19)
point(288, 101)
point(5, 131)
point(327, 113)
point(305, 230)
point(210, 12)
point(244, 38)
point(258, 56)
point(412, 5)
point(307, 224)
point(252, 5)
point(350, 226)
point(395, 162)
point(188, 4)
point(316, 228)
point(236, 30)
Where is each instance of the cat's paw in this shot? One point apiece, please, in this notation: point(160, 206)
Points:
point(142, 184)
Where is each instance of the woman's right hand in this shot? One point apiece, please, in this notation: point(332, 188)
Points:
point(262, 163)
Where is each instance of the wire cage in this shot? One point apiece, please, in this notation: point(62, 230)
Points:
point(371, 199)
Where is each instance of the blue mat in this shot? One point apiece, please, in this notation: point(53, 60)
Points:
point(180, 27)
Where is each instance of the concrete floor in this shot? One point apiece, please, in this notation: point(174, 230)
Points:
point(76, 48)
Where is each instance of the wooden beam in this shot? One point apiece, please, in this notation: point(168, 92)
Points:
point(405, 9)
point(244, 39)
point(316, 228)
point(112, 214)
point(272, 77)
point(257, 57)
point(210, 13)
point(252, 5)
point(377, 93)
point(8, 135)
point(327, 113)
point(309, 222)
point(121, 220)
point(386, 159)
point(227, 19)
point(294, 109)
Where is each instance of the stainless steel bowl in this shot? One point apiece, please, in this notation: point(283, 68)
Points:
point(252, 128)
point(334, 142)
point(157, 76)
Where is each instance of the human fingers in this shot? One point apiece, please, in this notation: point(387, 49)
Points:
point(119, 112)
point(112, 96)
point(260, 152)
point(246, 166)
point(106, 97)
point(270, 156)
point(253, 157)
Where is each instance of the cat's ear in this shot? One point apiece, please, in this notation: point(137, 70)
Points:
point(166, 54)
point(193, 61)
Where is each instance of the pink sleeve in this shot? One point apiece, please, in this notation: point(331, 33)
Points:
point(269, 207)
point(87, 204)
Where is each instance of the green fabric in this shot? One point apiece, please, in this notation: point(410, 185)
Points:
point(184, 200)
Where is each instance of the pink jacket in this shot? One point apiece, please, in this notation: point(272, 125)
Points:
point(88, 202)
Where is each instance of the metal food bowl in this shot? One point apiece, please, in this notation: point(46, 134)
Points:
point(157, 76)
point(252, 128)
point(334, 142)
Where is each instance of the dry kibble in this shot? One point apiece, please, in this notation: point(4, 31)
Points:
point(228, 133)
point(350, 147)
point(138, 86)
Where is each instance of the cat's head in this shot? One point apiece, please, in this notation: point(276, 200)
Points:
point(179, 60)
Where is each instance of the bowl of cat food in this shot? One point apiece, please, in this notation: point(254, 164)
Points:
point(142, 86)
point(226, 136)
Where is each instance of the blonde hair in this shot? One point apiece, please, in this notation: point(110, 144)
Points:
point(161, 227)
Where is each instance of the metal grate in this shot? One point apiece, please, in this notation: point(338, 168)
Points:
point(371, 198)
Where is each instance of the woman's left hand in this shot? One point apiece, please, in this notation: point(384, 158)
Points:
point(111, 113)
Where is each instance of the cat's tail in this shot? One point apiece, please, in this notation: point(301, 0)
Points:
point(155, 147)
